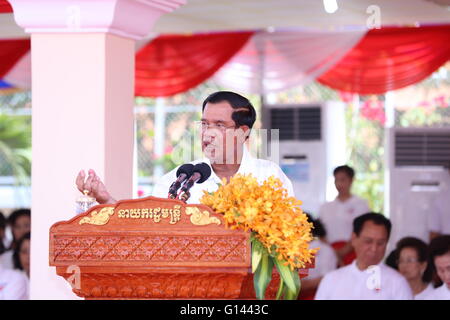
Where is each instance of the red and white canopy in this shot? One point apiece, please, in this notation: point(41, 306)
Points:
point(266, 46)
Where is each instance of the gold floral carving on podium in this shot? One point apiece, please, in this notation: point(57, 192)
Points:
point(99, 218)
point(201, 218)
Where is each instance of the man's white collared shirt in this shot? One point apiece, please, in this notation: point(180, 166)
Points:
point(259, 168)
point(337, 217)
point(379, 282)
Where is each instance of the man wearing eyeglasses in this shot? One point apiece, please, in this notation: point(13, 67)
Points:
point(227, 119)
point(367, 278)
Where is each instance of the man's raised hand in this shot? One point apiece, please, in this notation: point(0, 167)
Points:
point(94, 186)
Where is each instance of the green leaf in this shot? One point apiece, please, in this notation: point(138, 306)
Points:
point(290, 277)
point(256, 257)
point(293, 295)
point(15, 147)
point(257, 252)
point(281, 289)
point(263, 275)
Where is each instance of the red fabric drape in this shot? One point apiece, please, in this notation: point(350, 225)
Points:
point(5, 7)
point(390, 58)
point(176, 63)
point(10, 52)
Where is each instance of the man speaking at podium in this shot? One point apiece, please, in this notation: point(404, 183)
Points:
point(227, 119)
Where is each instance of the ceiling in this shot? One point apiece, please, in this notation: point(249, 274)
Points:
point(229, 15)
point(216, 15)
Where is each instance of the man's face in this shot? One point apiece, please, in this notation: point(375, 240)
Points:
point(342, 182)
point(443, 268)
point(220, 138)
point(370, 245)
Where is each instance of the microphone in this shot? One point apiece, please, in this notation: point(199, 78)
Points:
point(184, 172)
point(200, 174)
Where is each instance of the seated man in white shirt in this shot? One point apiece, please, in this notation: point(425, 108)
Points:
point(440, 259)
point(337, 215)
point(367, 278)
point(227, 119)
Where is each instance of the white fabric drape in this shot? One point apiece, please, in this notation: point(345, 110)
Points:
point(276, 61)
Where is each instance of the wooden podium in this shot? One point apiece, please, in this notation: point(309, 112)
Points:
point(154, 248)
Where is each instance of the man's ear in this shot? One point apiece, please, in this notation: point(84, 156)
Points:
point(243, 133)
point(246, 130)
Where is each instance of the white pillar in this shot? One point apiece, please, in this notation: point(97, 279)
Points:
point(389, 108)
point(160, 135)
point(82, 108)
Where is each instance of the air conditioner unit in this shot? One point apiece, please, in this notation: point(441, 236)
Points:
point(415, 177)
point(311, 143)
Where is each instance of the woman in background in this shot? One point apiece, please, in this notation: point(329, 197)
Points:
point(440, 262)
point(21, 258)
point(2, 232)
point(21, 255)
point(20, 223)
point(412, 262)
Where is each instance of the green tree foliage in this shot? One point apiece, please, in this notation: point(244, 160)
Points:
point(15, 147)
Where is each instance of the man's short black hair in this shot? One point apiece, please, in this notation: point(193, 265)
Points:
point(346, 169)
point(376, 218)
point(246, 116)
point(421, 249)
